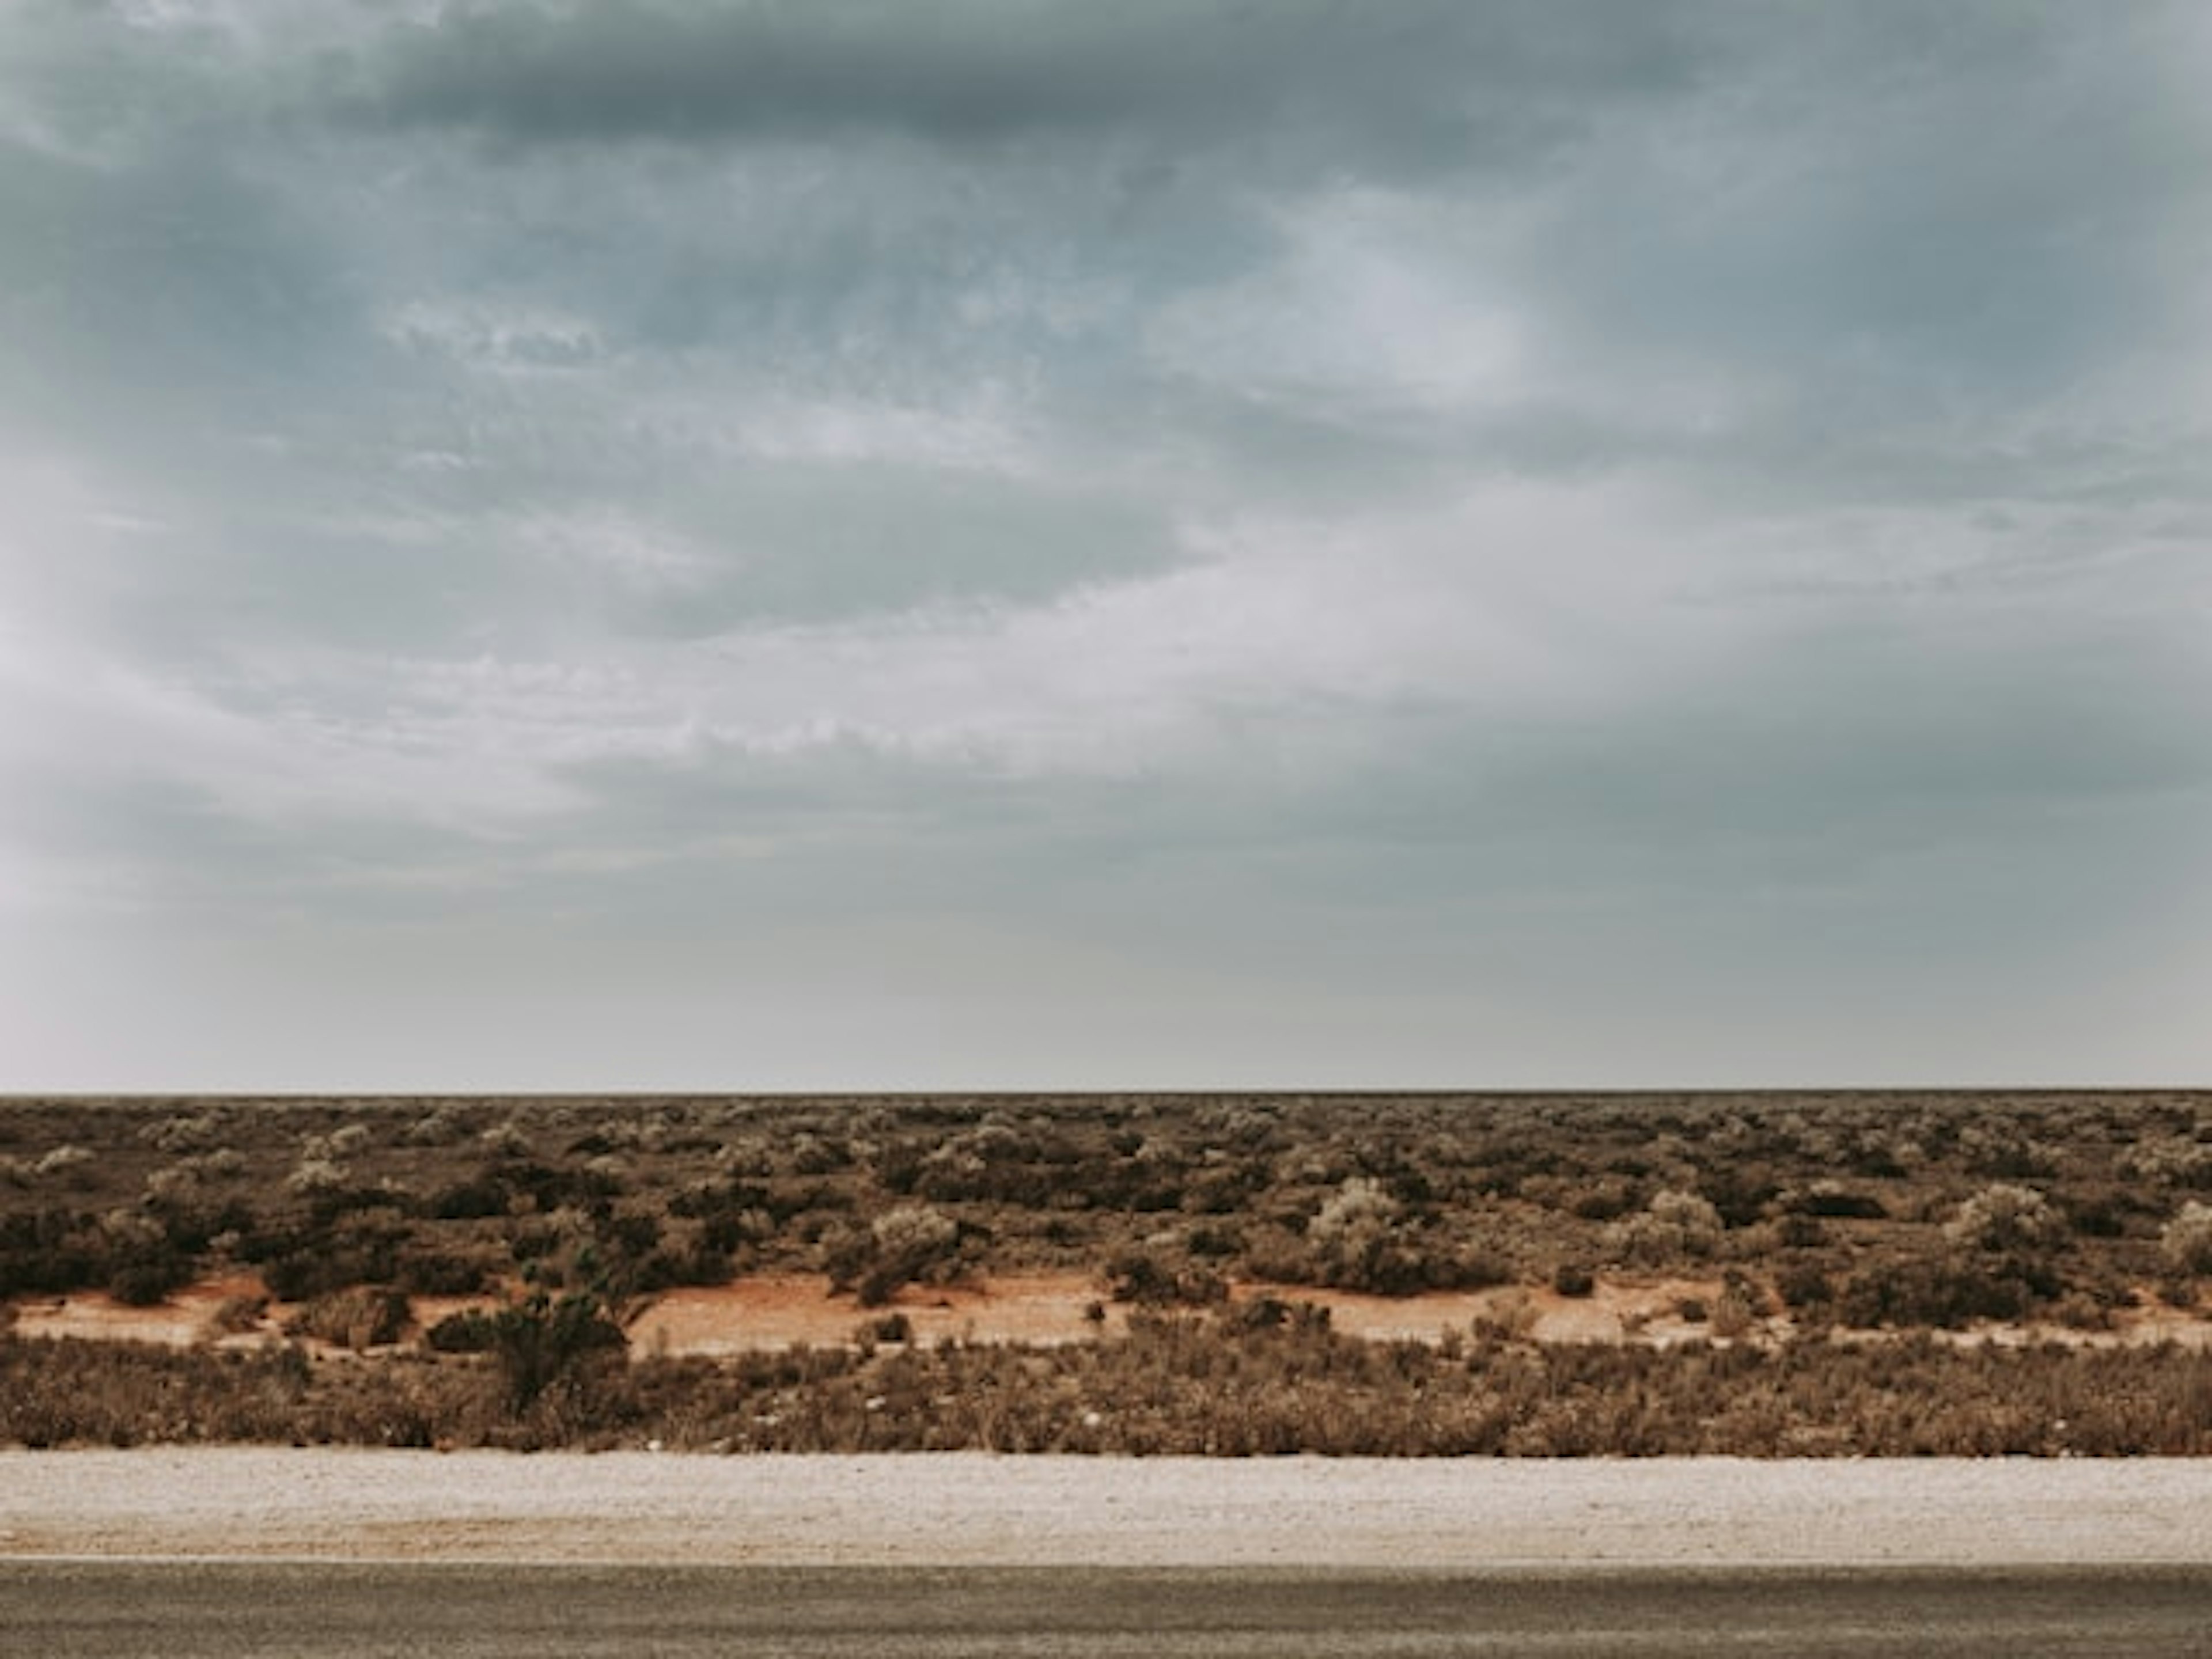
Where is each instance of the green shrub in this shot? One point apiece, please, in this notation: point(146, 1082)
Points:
point(541, 1340)
point(1674, 1227)
point(2005, 1218)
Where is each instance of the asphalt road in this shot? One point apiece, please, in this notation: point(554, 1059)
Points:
point(178, 1609)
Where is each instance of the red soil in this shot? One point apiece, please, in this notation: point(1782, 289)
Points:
point(775, 1311)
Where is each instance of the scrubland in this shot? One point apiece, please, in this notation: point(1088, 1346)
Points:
point(1865, 1273)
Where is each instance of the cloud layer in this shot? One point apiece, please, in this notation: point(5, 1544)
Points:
point(1018, 543)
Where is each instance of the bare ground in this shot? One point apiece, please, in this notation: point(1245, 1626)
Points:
point(769, 1311)
point(974, 1510)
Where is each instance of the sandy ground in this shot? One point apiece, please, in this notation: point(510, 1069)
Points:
point(972, 1511)
point(781, 1311)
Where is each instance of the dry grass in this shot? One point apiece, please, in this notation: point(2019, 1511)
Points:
point(1266, 1380)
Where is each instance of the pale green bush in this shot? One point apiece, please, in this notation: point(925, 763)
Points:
point(2005, 1218)
point(2187, 1239)
point(1675, 1226)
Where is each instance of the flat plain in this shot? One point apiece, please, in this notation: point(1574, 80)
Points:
point(1779, 1274)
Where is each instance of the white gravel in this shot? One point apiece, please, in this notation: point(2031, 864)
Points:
point(973, 1509)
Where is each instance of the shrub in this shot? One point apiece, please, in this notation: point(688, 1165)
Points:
point(1738, 1311)
point(185, 1134)
point(301, 1275)
point(361, 1316)
point(61, 1160)
point(1832, 1201)
point(316, 1176)
point(1511, 1318)
point(887, 1328)
point(1362, 1239)
point(440, 1272)
point(1740, 1196)
point(1152, 1281)
point(1675, 1226)
point(1803, 1286)
point(915, 1241)
point(2187, 1239)
point(2003, 1218)
point(472, 1330)
point(1945, 1294)
point(1799, 1232)
point(542, 1341)
point(1357, 1208)
point(145, 1275)
point(471, 1201)
point(236, 1314)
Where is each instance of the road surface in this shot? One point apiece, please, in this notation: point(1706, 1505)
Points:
point(122, 1609)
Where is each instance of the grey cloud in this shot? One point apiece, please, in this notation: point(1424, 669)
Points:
point(848, 542)
point(175, 275)
point(1843, 431)
point(1948, 208)
point(1411, 82)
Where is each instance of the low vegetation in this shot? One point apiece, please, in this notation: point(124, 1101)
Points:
point(1842, 1231)
point(1220, 1382)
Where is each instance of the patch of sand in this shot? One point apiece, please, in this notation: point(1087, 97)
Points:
point(785, 1311)
point(194, 1314)
point(773, 1311)
point(977, 1510)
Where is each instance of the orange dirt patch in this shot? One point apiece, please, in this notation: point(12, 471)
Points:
point(189, 1316)
point(775, 1311)
point(786, 1310)
point(781, 1311)
point(213, 1312)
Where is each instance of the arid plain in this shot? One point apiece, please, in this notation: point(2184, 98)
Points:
point(1770, 1275)
point(1759, 1367)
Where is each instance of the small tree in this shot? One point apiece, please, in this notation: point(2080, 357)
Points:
point(538, 1339)
point(542, 1339)
point(912, 1242)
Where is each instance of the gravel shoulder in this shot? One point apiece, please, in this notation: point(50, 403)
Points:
point(977, 1510)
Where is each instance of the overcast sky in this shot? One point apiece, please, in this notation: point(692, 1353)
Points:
point(656, 544)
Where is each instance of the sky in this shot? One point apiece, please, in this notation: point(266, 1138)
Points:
point(1013, 544)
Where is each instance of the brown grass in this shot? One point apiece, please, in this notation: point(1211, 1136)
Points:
point(1228, 1383)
